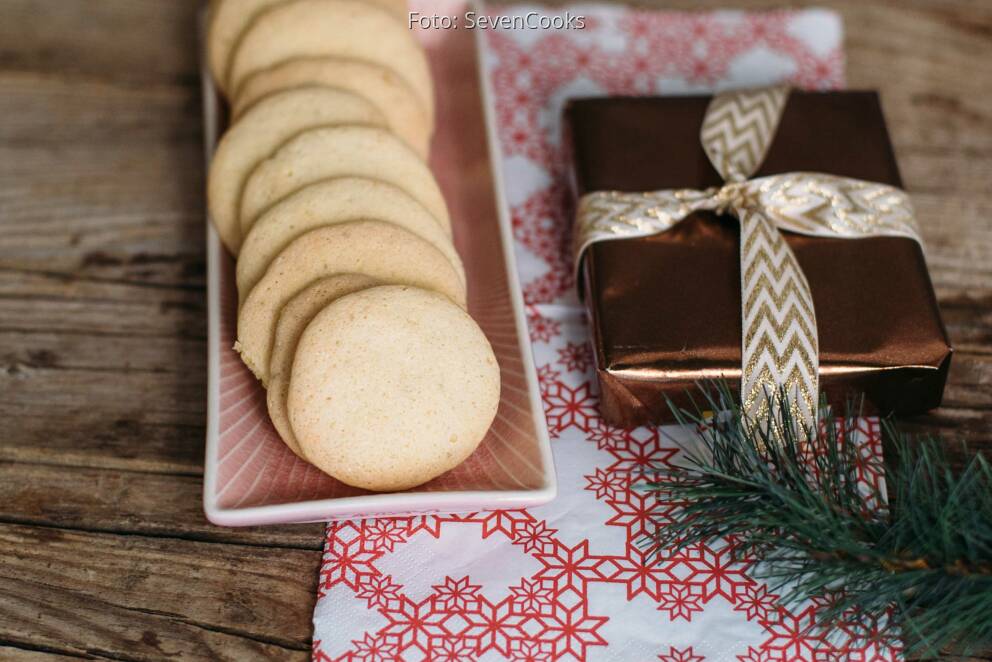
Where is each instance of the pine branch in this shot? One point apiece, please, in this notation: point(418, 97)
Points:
point(793, 501)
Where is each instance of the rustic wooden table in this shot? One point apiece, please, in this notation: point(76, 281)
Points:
point(104, 550)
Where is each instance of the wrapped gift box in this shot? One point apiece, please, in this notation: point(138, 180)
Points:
point(665, 310)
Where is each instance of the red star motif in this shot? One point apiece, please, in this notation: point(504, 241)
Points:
point(638, 511)
point(572, 631)
point(534, 536)
point(715, 570)
point(680, 602)
point(345, 562)
point(876, 631)
point(575, 356)
point(794, 637)
point(542, 329)
point(755, 601)
point(607, 484)
point(680, 655)
point(551, 285)
point(373, 649)
point(494, 626)
point(413, 624)
point(382, 534)
point(606, 436)
point(456, 594)
point(452, 650)
point(380, 591)
point(642, 572)
point(566, 407)
point(531, 651)
point(533, 597)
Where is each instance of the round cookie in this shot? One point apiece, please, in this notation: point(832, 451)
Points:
point(339, 28)
point(404, 112)
point(329, 202)
point(372, 248)
point(340, 151)
point(260, 131)
point(391, 387)
point(230, 18)
point(293, 319)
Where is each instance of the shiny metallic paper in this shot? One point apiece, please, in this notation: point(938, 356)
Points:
point(641, 362)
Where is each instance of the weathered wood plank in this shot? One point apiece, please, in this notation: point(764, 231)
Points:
point(132, 41)
point(191, 586)
point(73, 623)
point(106, 441)
point(125, 502)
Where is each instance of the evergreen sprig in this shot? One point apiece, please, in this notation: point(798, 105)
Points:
point(791, 499)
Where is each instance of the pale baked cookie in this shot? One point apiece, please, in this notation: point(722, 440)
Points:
point(230, 18)
point(372, 248)
point(260, 131)
point(340, 151)
point(391, 387)
point(339, 28)
point(335, 201)
point(293, 319)
point(404, 112)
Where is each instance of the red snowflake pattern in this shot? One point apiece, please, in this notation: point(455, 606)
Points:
point(380, 591)
point(542, 329)
point(453, 649)
point(567, 407)
point(551, 611)
point(605, 436)
point(374, 649)
point(795, 637)
point(572, 631)
point(534, 596)
point(575, 357)
point(456, 595)
point(680, 655)
point(534, 536)
point(607, 484)
point(756, 602)
point(679, 601)
point(382, 534)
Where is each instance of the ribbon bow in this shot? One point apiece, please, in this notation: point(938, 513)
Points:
point(779, 347)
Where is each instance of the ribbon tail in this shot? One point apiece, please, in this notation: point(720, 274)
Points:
point(779, 342)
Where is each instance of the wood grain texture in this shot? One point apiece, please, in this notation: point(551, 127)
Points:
point(104, 551)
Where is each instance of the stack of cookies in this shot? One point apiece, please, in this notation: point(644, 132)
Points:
point(351, 294)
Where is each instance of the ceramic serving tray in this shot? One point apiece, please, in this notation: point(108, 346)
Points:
point(252, 478)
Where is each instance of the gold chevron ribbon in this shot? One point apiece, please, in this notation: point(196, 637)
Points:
point(779, 346)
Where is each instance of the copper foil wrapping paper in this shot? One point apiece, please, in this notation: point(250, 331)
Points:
point(665, 310)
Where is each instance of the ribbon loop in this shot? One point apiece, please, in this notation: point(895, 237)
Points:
point(738, 130)
point(779, 345)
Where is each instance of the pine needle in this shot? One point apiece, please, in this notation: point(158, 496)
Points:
point(919, 557)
